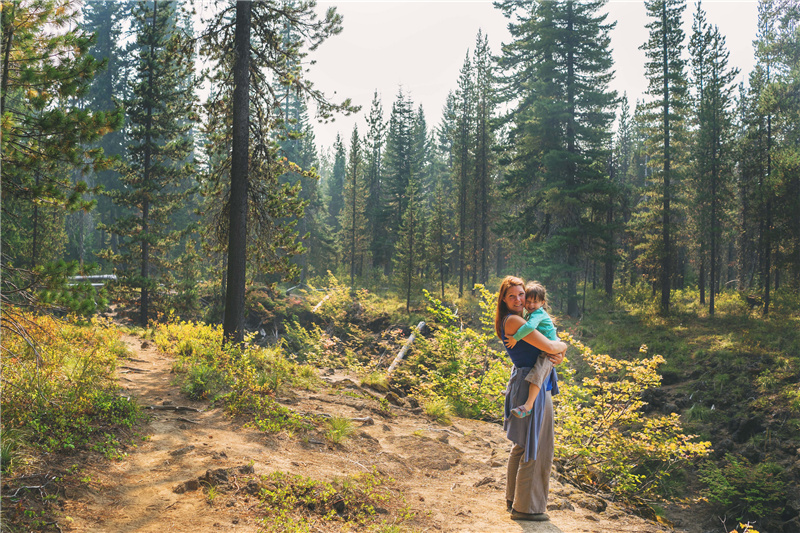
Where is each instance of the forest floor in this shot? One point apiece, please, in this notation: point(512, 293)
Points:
point(450, 477)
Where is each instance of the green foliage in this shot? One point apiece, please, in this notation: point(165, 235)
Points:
point(339, 429)
point(457, 363)
point(58, 383)
point(439, 409)
point(246, 379)
point(299, 504)
point(744, 490)
point(605, 440)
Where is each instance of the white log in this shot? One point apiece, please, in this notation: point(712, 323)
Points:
point(314, 310)
point(404, 349)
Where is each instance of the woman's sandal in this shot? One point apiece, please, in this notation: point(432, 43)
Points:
point(520, 412)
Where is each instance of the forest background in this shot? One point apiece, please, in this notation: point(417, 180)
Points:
point(113, 163)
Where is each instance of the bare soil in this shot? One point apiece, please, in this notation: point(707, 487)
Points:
point(452, 478)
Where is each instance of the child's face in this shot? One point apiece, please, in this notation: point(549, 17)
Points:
point(532, 304)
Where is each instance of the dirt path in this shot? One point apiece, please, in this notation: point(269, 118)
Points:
point(452, 477)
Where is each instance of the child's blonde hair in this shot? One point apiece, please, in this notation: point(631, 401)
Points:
point(535, 290)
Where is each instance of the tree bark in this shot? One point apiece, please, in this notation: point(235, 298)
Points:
point(233, 323)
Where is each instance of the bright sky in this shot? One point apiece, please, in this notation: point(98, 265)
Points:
point(421, 46)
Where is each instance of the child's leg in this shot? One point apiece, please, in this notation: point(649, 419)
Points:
point(536, 378)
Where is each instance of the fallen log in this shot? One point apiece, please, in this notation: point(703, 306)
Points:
point(404, 349)
point(314, 310)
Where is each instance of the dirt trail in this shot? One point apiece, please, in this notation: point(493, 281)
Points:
point(452, 477)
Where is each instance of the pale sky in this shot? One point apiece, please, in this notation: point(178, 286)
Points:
point(421, 46)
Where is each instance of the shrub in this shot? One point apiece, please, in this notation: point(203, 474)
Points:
point(58, 381)
point(604, 437)
point(339, 429)
point(297, 503)
point(245, 378)
point(439, 409)
point(458, 363)
point(744, 490)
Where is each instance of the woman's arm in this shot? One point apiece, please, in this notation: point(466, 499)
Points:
point(535, 338)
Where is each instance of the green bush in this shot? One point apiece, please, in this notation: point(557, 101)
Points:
point(743, 490)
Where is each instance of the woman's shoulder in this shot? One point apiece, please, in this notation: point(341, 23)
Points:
point(512, 323)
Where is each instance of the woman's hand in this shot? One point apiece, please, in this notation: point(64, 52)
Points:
point(556, 358)
point(511, 342)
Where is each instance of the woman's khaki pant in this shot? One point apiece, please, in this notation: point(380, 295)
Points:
point(528, 483)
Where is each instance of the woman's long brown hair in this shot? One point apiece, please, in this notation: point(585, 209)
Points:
point(501, 311)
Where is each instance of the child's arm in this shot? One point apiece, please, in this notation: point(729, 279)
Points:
point(527, 327)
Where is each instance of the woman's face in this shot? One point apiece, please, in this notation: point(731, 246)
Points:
point(515, 299)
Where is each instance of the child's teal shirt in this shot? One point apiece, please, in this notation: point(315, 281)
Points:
point(538, 320)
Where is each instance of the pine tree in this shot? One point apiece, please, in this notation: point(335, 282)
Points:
point(713, 82)
point(667, 87)
point(244, 108)
point(397, 169)
point(562, 128)
point(106, 20)
point(335, 186)
point(376, 215)
point(46, 140)
point(160, 116)
point(407, 255)
point(484, 157)
point(440, 234)
point(353, 220)
point(463, 167)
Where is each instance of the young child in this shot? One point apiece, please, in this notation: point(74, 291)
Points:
point(538, 319)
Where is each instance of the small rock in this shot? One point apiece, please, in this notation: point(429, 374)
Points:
point(443, 438)
point(368, 422)
point(559, 504)
point(182, 451)
point(386, 428)
point(592, 517)
point(394, 399)
point(484, 481)
point(145, 345)
point(187, 486)
point(167, 402)
point(494, 463)
point(591, 503)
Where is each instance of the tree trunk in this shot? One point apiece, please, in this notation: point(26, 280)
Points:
point(233, 324)
point(145, 296)
point(666, 263)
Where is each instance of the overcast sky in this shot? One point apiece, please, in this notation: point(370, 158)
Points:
point(421, 46)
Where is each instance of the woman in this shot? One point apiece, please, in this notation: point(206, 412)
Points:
point(531, 458)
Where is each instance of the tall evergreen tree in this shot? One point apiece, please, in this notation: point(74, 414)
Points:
point(408, 251)
point(160, 116)
point(463, 168)
point(335, 185)
point(667, 87)
point(484, 156)
point(106, 19)
point(375, 140)
point(46, 138)
point(397, 167)
point(561, 128)
point(245, 39)
point(353, 220)
point(713, 82)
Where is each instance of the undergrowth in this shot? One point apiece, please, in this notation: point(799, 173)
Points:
point(363, 501)
point(245, 379)
point(59, 389)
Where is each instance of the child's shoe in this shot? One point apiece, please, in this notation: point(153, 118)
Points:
point(520, 412)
